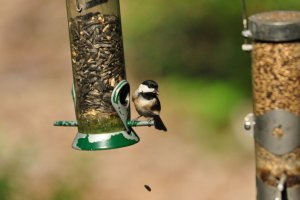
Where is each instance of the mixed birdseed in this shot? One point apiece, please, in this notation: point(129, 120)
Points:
point(276, 77)
point(270, 167)
point(98, 64)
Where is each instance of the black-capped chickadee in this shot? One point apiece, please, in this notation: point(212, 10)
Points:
point(147, 103)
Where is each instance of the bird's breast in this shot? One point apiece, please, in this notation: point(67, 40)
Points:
point(144, 106)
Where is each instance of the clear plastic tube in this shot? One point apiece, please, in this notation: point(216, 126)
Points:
point(97, 62)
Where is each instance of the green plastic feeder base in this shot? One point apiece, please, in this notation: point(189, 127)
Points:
point(104, 141)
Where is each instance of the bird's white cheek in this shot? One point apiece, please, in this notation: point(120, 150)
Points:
point(145, 89)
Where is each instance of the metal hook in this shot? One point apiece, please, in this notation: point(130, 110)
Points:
point(280, 187)
point(78, 7)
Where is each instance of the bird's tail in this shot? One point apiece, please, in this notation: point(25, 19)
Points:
point(158, 123)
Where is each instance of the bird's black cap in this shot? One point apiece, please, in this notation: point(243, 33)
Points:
point(151, 84)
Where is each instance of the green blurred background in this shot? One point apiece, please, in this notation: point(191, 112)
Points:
point(192, 48)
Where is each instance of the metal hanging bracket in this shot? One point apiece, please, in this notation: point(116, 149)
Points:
point(278, 131)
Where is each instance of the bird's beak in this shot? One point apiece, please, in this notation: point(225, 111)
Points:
point(156, 92)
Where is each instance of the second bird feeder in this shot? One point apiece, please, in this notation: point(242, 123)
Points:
point(276, 97)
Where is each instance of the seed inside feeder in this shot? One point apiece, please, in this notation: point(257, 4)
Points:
point(276, 77)
point(98, 65)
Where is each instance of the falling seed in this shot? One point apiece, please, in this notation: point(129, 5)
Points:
point(148, 188)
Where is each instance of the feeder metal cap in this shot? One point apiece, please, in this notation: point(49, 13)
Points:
point(275, 26)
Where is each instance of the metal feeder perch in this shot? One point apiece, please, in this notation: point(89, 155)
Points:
point(275, 50)
point(100, 90)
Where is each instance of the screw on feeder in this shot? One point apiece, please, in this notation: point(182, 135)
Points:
point(249, 122)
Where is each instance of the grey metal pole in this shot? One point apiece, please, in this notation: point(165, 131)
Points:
point(276, 99)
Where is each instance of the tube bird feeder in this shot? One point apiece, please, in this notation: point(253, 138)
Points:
point(100, 90)
point(276, 98)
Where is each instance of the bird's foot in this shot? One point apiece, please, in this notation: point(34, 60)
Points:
point(150, 122)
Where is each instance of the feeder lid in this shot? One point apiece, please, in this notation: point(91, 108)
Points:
point(275, 26)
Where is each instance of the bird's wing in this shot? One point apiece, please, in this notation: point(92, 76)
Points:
point(156, 106)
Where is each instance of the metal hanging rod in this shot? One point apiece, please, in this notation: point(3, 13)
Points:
point(246, 33)
point(245, 15)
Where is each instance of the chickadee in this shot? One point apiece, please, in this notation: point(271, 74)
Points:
point(147, 103)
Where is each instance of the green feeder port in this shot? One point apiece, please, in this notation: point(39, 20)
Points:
point(100, 90)
point(110, 140)
point(115, 138)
